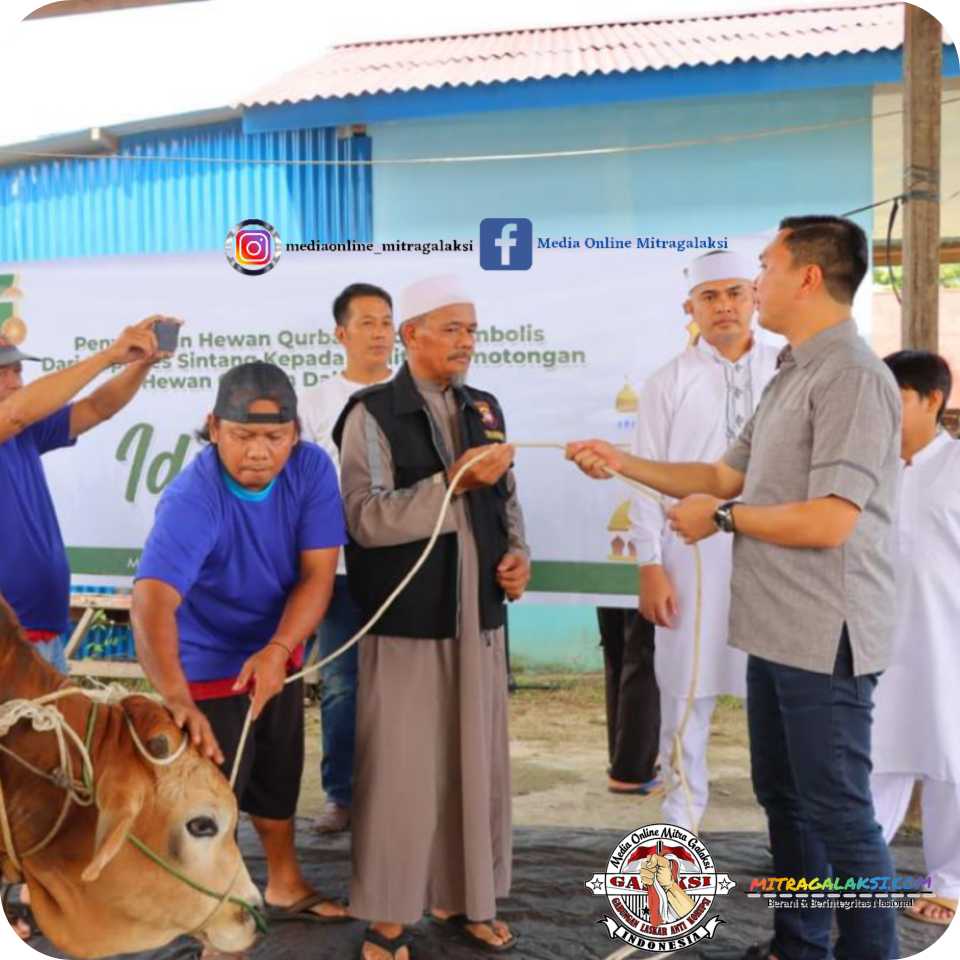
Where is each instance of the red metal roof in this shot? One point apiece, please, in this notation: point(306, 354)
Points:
point(396, 65)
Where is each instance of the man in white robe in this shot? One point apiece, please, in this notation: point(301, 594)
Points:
point(914, 725)
point(691, 410)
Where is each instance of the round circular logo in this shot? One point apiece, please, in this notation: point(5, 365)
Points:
point(253, 247)
point(660, 883)
point(13, 330)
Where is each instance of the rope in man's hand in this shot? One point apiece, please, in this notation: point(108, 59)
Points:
point(676, 758)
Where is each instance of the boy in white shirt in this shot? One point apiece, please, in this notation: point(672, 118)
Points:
point(364, 326)
point(914, 725)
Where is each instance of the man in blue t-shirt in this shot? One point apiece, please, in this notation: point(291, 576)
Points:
point(35, 419)
point(236, 573)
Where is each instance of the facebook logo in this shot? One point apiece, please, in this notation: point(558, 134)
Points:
point(506, 244)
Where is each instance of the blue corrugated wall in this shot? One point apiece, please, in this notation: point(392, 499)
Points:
point(113, 205)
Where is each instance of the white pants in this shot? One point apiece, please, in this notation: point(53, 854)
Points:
point(694, 755)
point(940, 816)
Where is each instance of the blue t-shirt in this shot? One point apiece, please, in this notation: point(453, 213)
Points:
point(234, 558)
point(34, 573)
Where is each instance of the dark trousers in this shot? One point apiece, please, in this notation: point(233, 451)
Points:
point(338, 694)
point(810, 759)
point(633, 699)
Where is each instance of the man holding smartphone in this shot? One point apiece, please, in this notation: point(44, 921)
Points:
point(35, 419)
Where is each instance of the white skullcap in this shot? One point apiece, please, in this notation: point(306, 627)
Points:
point(432, 293)
point(720, 265)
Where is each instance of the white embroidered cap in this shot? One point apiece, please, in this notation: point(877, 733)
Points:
point(432, 293)
point(720, 265)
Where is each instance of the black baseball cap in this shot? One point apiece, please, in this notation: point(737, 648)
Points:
point(11, 354)
point(250, 382)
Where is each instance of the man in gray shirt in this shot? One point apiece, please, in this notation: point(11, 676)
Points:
point(812, 590)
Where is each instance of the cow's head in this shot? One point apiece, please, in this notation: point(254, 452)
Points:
point(95, 893)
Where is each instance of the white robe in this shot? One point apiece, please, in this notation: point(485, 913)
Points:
point(914, 726)
point(688, 411)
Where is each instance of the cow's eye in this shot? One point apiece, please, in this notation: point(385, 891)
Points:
point(202, 827)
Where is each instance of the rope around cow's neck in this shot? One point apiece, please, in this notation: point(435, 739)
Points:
point(46, 718)
point(676, 758)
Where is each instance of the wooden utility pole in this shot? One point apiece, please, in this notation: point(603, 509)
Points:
point(922, 91)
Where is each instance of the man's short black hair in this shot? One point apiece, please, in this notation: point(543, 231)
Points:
point(836, 245)
point(922, 371)
point(341, 306)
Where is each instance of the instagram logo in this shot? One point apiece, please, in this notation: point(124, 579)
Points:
point(253, 247)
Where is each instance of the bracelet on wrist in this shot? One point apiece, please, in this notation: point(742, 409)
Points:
point(282, 646)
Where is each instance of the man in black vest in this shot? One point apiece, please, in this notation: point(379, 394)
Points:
point(432, 820)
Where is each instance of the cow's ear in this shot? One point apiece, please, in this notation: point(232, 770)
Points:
point(119, 803)
point(154, 725)
point(10, 630)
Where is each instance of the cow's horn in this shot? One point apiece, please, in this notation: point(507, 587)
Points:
point(159, 746)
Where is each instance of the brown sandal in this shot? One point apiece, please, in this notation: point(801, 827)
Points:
point(944, 903)
point(303, 911)
point(458, 923)
point(393, 945)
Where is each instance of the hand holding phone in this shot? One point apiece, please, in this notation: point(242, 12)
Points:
point(167, 333)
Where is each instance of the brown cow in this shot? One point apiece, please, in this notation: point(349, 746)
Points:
point(93, 893)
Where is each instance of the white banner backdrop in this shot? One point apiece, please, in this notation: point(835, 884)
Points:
point(565, 346)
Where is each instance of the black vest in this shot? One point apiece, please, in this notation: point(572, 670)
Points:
point(428, 606)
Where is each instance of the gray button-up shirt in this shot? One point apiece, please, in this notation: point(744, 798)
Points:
point(828, 424)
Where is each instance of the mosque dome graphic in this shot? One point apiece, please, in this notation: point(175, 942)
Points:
point(627, 400)
point(622, 547)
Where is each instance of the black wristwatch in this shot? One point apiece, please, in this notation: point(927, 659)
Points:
point(723, 516)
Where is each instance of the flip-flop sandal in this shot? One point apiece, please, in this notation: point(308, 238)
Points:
point(641, 789)
point(457, 924)
point(392, 945)
point(301, 911)
point(15, 909)
point(945, 903)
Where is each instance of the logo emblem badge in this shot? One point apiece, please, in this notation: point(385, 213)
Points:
point(486, 413)
point(660, 883)
point(253, 247)
point(506, 244)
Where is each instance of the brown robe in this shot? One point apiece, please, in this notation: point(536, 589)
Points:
point(431, 810)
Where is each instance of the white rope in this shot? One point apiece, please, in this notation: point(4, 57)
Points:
point(116, 693)
point(720, 139)
point(676, 753)
point(48, 719)
point(400, 587)
point(44, 717)
point(676, 758)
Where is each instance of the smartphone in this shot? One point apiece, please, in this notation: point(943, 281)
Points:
point(167, 333)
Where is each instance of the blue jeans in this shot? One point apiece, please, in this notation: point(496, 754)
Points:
point(53, 651)
point(338, 695)
point(810, 759)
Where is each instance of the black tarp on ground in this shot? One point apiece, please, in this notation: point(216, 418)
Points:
point(550, 906)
